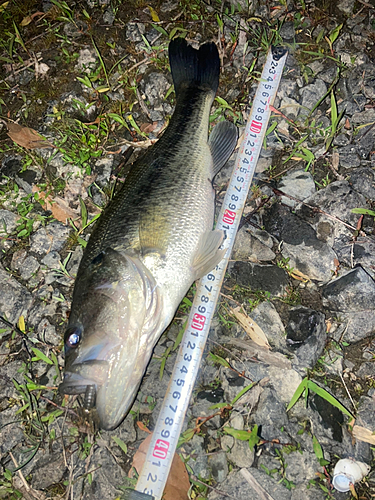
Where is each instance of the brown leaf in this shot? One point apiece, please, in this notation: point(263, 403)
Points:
point(251, 328)
point(27, 20)
point(142, 426)
point(347, 125)
point(148, 127)
point(26, 137)
point(59, 207)
point(178, 483)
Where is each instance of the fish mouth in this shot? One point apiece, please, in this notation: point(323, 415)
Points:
point(76, 383)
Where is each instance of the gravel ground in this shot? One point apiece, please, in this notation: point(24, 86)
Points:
point(92, 77)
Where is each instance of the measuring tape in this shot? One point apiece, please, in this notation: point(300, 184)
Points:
point(154, 474)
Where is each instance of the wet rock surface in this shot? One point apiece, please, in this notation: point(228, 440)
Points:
point(302, 267)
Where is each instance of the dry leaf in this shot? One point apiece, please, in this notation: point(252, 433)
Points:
point(27, 20)
point(148, 127)
point(363, 434)
point(178, 483)
point(347, 125)
point(142, 426)
point(335, 160)
point(59, 207)
point(298, 275)
point(251, 328)
point(26, 137)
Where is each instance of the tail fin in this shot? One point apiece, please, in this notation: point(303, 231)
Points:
point(191, 67)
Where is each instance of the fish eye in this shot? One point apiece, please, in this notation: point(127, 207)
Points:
point(73, 337)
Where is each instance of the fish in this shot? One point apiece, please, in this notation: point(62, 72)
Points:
point(149, 245)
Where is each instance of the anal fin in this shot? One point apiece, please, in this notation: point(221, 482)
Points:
point(208, 254)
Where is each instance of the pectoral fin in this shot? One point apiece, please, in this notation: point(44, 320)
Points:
point(222, 141)
point(208, 254)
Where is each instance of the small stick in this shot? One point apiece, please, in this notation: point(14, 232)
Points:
point(261, 492)
point(27, 487)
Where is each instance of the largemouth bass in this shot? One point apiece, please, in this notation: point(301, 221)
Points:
point(149, 245)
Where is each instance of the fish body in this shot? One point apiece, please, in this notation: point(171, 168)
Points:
point(149, 245)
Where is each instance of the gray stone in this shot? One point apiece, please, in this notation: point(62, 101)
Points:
point(156, 86)
point(47, 332)
point(305, 251)
point(268, 319)
point(202, 408)
point(341, 140)
point(109, 16)
point(311, 94)
point(51, 260)
point(290, 107)
point(238, 452)
point(364, 117)
point(198, 460)
point(337, 199)
point(352, 292)
point(299, 184)
point(358, 325)
point(106, 476)
point(15, 299)
point(87, 60)
point(50, 238)
point(8, 222)
point(270, 414)
point(219, 466)
point(28, 267)
point(239, 489)
point(248, 247)
point(363, 181)
point(272, 279)
point(301, 467)
point(317, 261)
point(306, 336)
point(134, 31)
point(48, 470)
point(308, 492)
point(11, 430)
point(284, 383)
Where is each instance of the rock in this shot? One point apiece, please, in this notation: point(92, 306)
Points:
point(48, 470)
point(349, 157)
point(86, 61)
point(299, 184)
point(240, 489)
point(354, 291)
point(8, 224)
point(106, 476)
point(313, 258)
point(284, 383)
point(155, 87)
point(28, 267)
point(272, 279)
point(337, 199)
point(270, 414)
point(219, 466)
point(248, 247)
point(50, 238)
point(306, 336)
point(363, 181)
point(268, 319)
point(198, 460)
point(308, 492)
point(305, 251)
point(134, 31)
point(11, 430)
point(311, 94)
point(52, 260)
point(238, 452)
point(301, 467)
point(15, 299)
